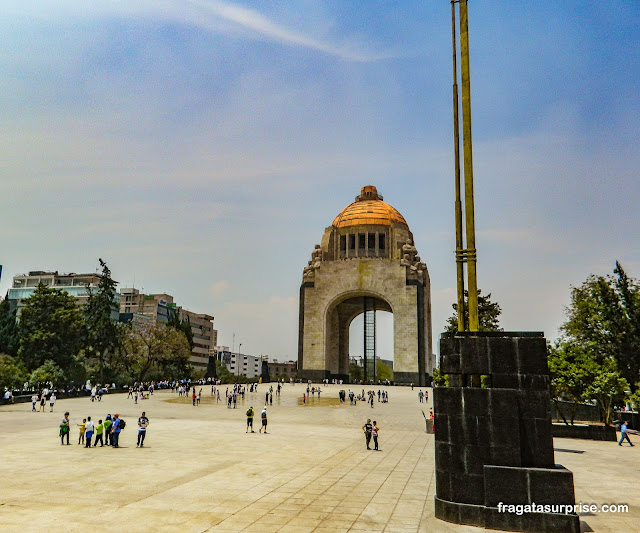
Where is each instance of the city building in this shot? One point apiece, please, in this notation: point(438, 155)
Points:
point(159, 308)
point(283, 370)
point(76, 285)
point(238, 364)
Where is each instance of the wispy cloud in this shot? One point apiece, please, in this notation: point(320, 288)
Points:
point(211, 15)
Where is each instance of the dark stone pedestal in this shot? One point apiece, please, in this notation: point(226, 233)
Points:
point(493, 437)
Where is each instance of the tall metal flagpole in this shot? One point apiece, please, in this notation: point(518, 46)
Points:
point(458, 204)
point(468, 168)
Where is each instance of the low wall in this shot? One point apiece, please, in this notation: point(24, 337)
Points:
point(583, 431)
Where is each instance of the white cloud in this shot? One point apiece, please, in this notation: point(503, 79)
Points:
point(211, 15)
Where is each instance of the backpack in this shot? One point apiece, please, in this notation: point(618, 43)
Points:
point(122, 424)
point(249, 412)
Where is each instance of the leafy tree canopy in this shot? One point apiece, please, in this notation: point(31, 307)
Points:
point(603, 319)
point(9, 332)
point(383, 372)
point(13, 374)
point(488, 314)
point(103, 334)
point(51, 327)
point(47, 374)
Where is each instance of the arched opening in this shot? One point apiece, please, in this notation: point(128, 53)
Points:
point(339, 320)
point(383, 345)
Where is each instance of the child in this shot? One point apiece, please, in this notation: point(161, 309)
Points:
point(99, 432)
point(82, 428)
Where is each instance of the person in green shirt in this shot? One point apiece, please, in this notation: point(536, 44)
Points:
point(99, 432)
point(107, 430)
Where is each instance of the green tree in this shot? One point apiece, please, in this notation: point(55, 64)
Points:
point(603, 318)
point(103, 334)
point(607, 389)
point(383, 372)
point(153, 351)
point(47, 373)
point(9, 332)
point(572, 370)
point(13, 374)
point(51, 327)
point(181, 325)
point(488, 314)
point(355, 372)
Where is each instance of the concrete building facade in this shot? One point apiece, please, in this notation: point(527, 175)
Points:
point(366, 261)
point(76, 285)
point(159, 308)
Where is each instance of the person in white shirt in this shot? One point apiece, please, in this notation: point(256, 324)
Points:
point(52, 401)
point(88, 432)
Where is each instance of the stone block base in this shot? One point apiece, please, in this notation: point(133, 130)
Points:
point(491, 518)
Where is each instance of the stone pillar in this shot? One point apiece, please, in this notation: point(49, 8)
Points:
point(493, 434)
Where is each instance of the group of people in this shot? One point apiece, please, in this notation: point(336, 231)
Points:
point(107, 433)
point(42, 400)
point(371, 430)
point(263, 417)
point(423, 396)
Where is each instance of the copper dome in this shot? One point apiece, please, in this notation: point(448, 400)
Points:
point(369, 209)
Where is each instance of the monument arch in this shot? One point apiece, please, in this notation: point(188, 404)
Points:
point(366, 262)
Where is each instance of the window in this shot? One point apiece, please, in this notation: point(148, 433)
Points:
point(343, 245)
point(381, 242)
point(352, 242)
point(361, 241)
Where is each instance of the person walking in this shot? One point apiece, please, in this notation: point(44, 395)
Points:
point(374, 433)
point(34, 401)
point(64, 429)
point(143, 424)
point(623, 433)
point(99, 433)
point(367, 428)
point(263, 415)
point(115, 431)
point(88, 432)
point(250, 414)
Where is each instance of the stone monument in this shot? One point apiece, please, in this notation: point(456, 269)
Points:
point(493, 419)
point(366, 261)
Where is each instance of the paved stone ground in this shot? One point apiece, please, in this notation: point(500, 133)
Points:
point(199, 470)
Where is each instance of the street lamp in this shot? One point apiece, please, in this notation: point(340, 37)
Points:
point(238, 362)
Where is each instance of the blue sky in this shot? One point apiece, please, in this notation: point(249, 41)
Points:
point(201, 147)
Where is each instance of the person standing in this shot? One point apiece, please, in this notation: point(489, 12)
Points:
point(99, 432)
point(65, 428)
point(43, 401)
point(135, 398)
point(368, 428)
point(88, 432)
point(115, 431)
point(250, 413)
point(623, 433)
point(194, 396)
point(143, 423)
point(374, 433)
point(82, 428)
point(34, 401)
point(263, 415)
point(52, 401)
point(107, 430)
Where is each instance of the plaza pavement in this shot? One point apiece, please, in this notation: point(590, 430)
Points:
point(199, 471)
